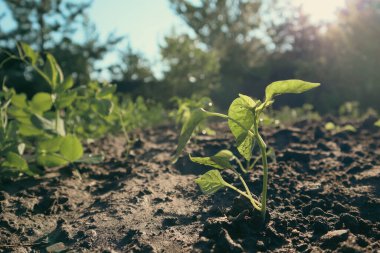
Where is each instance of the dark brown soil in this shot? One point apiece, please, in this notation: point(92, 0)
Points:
point(324, 196)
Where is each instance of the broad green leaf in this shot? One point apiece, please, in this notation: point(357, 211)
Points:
point(250, 103)
point(27, 51)
point(50, 160)
point(19, 100)
point(50, 145)
point(65, 99)
point(71, 148)
point(220, 160)
point(14, 160)
point(377, 123)
point(287, 86)
point(211, 182)
point(41, 102)
point(196, 117)
point(29, 130)
point(241, 111)
point(20, 115)
point(53, 71)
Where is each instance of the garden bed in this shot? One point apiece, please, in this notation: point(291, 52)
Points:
point(324, 195)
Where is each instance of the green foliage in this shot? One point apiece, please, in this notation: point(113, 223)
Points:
point(377, 123)
point(40, 124)
point(243, 120)
point(330, 126)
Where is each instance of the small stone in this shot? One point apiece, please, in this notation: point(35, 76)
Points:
point(344, 147)
point(317, 211)
point(55, 248)
point(333, 238)
point(320, 227)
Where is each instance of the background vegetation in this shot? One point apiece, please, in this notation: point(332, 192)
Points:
point(238, 46)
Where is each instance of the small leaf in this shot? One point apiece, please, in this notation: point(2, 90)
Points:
point(41, 102)
point(27, 51)
point(211, 182)
point(377, 123)
point(106, 92)
point(241, 111)
point(50, 145)
point(50, 160)
point(196, 117)
point(349, 128)
point(329, 126)
point(19, 100)
point(71, 148)
point(65, 99)
point(29, 130)
point(53, 71)
point(66, 84)
point(287, 86)
point(103, 107)
point(14, 160)
point(220, 160)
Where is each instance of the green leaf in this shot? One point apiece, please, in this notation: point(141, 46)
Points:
point(71, 148)
point(53, 71)
point(211, 182)
point(50, 160)
point(20, 115)
point(41, 102)
point(329, 126)
point(50, 145)
point(66, 84)
point(65, 99)
point(377, 123)
point(106, 92)
point(241, 111)
point(27, 51)
point(29, 130)
point(103, 107)
point(349, 128)
point(220, 160)
point(287, 86)
point(14, 160)
point(49, 126)
point(19, 100)
point(196, 117)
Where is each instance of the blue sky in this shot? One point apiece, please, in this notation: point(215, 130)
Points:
point(144, 22)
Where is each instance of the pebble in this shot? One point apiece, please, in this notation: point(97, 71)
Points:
point(332, 238)
point(55, 248)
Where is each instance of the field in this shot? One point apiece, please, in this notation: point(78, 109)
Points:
point(324, 196)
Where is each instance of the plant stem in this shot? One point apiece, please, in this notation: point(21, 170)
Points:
point(263, 150)
point(56, 120)
point(240, 164)
point(251, 199)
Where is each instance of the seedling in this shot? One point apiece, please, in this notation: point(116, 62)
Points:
point(243, 120)
point(330, 126)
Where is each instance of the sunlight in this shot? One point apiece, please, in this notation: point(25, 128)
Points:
point(320, 10)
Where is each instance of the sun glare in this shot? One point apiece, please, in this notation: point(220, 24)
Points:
point(320, 10)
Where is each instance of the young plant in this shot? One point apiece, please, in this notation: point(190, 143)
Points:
point(243, 120)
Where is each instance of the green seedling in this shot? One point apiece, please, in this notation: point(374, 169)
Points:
point(330, 126)
point(377, 123)
point(243, 120)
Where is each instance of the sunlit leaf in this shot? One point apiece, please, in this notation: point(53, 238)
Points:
point(53, 71)
point(220, 160)
point(28, 52)
point(71, 148)
point(19, 100)
point(377, 123)
point(65, 99)
point(241, 111)
point(196, 117)
point(41, 102)
point(287, 86)
point(211, 182)
point(103, 107)
point(330, 126)
point(50, 145)
point(50, 160)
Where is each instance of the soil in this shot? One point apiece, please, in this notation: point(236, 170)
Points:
point(324, 196)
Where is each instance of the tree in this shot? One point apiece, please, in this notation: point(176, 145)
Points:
point(52, 26)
